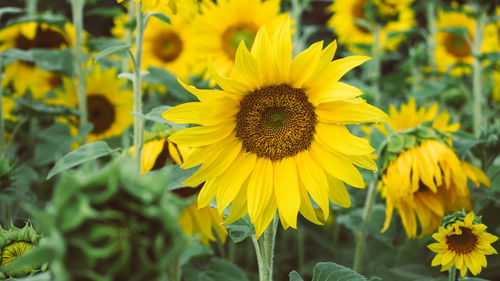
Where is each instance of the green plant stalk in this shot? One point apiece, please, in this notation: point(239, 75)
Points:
point(128, 38)
point(477, 99)
point(267, 242)
point(138, 120)
point(301, 248)
point(2, 121)
point(79, 60)
point(258, 254)
point(452, 274)
point(431, 37)
point(31, 7)
point(360, 236)
point(377, 56)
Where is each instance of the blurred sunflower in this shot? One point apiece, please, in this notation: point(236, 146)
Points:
point(346, 13)
point(426, 178)
point(455, 51)
point(222, 25)
point(159, 152)
point(14, 243)
point(168, 7)
point(30, 35)
point(108, 104)
point(8, 104)
point(464, 244)
point(276, 133)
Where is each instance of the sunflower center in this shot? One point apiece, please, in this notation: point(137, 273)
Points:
point(14, 250)
point(456, 45)
point(462, 243)
point(101, 113)
point(45, 38)
point(276, 122)
point(233, 36)
point(167, 46)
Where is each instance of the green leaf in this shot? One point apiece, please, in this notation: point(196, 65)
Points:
point(426, 133)
point(178, 175)
point(396, 143)
point(14, 54)
point(377, 138)
point(162, 17)
point(457, 30)
point(161, 76)
point(471, 279)
point(105, 11)
point(409, 141)
point(155, 115)
point(240, 229)
point(329, 271)
point(195, 250)
point(10, 10)
point(84, 153)
point(111, 50)
point(217, 270)
point(58, 61)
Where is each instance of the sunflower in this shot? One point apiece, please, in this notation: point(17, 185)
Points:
point(347, 12)
point(453, 50)
point(108, 104)
point(222, 25)
point(170, 46)
point(425, 179)
point(26, 36)
point(464, 244)
point(8, 105)
point(275, 134)
point(168, 7)
point(14, 243)
point(159, 152)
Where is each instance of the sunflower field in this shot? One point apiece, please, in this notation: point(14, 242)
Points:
point(249, 140)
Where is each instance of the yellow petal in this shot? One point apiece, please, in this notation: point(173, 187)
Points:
point(337, 138)
point(207, 192)
point(306, 208)
point(238, 206)
point(260, 187)
point(247, 71)
point(349, 112)
point(286, 190)
point(202, 135)
point(304, 64)
point(263, 221)
point(262, 52)
point(338, 193)
point(216, 112)
point(283, 51)
point(332, 92)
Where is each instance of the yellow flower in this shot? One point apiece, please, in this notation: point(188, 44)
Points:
point(350, 33)
point(168, 7)
point(463, 245)
point(426, 180)
point(202, 222)
point(222, 26)
point(452, 49)
point(26, 36)
point(108, 104)
point(275, 134)
point(158, 152)
point(8, 104)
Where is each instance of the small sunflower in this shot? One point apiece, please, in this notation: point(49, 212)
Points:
point(108, 104)
point(14, 243)
point(351, 33)
point(26, 36)
point(426, 179)
point(464, 244)
point(275, 134)
point(453, 51)
point(171, 46)
point(222, 25)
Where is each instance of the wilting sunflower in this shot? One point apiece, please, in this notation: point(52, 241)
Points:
point(455, 51)
point(108, 104)
point(14, 243)
point(351, 33)
point(222, 26)
point(171, 46)
point(463, 244)
point(275, 134)
point(425, 179)
point(26, 36)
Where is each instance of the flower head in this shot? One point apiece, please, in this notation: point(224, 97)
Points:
point(275, 134)
point(14, 243)
point(463, 244)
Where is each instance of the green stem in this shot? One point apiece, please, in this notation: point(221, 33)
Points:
point(476, 77)
point(2, 122)
point(267, 248)
point(431, 37)
point(361, 235)
point(377, 56)
point(79, 60)
point(452, 274)
point(31, 7)
point(300, 247)
point(128, 38)
point(258, 254)
point(138, 120)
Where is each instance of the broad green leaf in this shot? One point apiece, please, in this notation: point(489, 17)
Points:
point(178, 175)
point(240, 229)
point(217, 270)
point(195, 250)
point(111, 50)
point(13, 54)
point(456, 30)
point(409, 141)
point(155, 114)
point(84, 153)
point(396, 143)
point(295, 276)
point(329, 271)
point(162, 17)
point(161, 76)
point(58, 61)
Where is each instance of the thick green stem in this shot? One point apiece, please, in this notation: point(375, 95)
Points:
point(452, 274)
point(79, 60)
point(138, 120)
point(377, 64)
point(361, 235)
point(2, 122)
point(258, 254)
point(31, 7)
point(431, 37)
point(477, 100)
point(267, 248)
point(128, 38)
